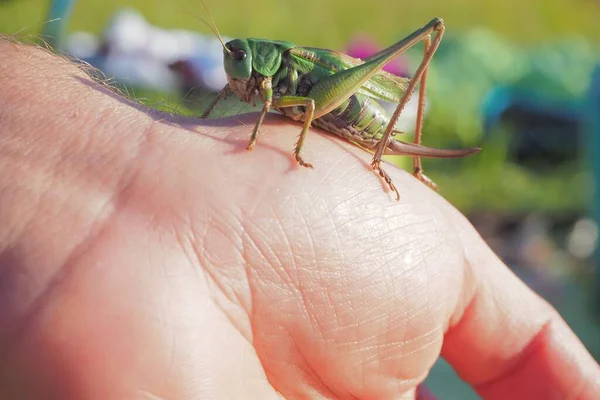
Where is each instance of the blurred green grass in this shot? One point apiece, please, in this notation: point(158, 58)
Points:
point(332, 23)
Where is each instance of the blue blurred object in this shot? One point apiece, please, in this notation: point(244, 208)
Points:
point(548, 129)
point(501, 100)
point(135, 53)
point(592, 110)
point(59, 15)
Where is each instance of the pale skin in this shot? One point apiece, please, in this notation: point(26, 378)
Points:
point(145, 256)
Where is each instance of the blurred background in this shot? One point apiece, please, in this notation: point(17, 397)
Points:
point(519, 79)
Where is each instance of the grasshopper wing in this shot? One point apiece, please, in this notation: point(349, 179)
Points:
point(381, 86)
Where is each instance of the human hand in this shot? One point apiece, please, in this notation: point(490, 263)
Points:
point(149, 256)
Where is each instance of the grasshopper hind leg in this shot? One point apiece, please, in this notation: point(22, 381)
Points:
point(417, 161)
point(436, 27)
point(418, 173)
point(377, 168)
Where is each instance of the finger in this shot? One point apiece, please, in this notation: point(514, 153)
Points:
point(508, 342)
point(423, 393)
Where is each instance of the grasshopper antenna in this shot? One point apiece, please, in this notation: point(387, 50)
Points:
point(213, 27)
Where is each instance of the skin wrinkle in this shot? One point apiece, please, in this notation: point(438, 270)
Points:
point(340, 179)
point(274, 260)
point(26, 221)
point(342, 313)
point(428, 308)
point(434, 341)
point(421, 264)
point(367, 359)
point(306, 366)
point(340, 202)
point(442, 304)
point(338, 206)
point(200, 257)
point(335, 314)
point(65, 268)
point(299, 291)
point(416, 233)
point(465, 313)
point(40, 303)
point(335, 234)
point(329, 174)
point(250, 242)
point(541, 340)
point(467, 316)
point(286, 238)
point(529, 351)
point(422, 308)
point(406, 380)
point(20, 146)
point(48, 179)
point(210, 277)
point(434, 252)
point(306, 306)
point(279, 220)
point(398, 345)
point(400, 258)
point(465, 305)
point(376, 234)
point(149, 395)
point(299, 284)
point(249, 303)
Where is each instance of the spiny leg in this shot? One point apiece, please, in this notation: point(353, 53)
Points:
point(418, 161)
point(387, 180)
point(261, 118)
point(424, 34)
point(222, 94)
point(309, 104)
point(421, 103)
point(267, 93)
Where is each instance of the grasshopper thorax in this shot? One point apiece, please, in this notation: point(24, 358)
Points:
point(245, 89)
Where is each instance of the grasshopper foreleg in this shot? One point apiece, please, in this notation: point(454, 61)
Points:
point(266, 92)
point(222, 94)
point(261, 118)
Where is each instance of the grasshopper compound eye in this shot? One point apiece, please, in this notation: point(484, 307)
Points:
point(239, 55)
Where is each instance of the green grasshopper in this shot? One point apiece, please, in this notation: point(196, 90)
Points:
point(335, 92)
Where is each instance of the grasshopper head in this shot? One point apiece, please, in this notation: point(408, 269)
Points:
point(237, 59)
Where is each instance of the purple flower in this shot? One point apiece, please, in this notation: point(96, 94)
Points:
point(364, 46)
